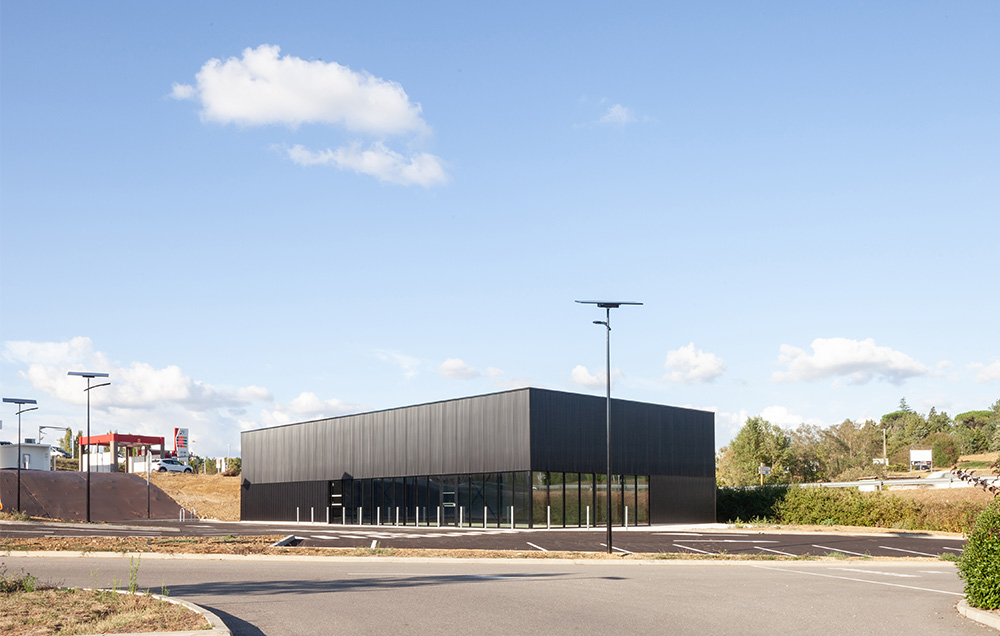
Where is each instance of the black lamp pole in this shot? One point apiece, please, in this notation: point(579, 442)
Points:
point(608, 306)
point(89, 376)
point(20, 409)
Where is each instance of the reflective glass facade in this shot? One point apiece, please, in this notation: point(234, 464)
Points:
point(491, 500)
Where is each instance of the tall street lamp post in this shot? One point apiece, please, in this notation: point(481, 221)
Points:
point(20, 409)
point(89, 376)
point(608, 305)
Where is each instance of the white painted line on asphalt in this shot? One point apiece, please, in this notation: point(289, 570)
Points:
point(619, 549)
point(776, 551)
point(677, 534)
point(677, 545)
point(954, 549)
point(323, 536)
point(934, 572)
point(902, 576)
point(823, 547)
point(847, 578)
point(731, 541)
point(537, 547)
point(885, 547)
point(374, 543)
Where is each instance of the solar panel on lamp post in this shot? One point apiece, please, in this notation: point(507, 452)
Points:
point(20, 409)
point(89, 376)
point(608, 305)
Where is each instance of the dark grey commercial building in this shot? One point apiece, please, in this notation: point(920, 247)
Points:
point(527, 457)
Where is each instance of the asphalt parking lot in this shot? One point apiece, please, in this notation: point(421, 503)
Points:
point(660, 539)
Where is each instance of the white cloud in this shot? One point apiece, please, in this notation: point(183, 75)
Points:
point(617, 115)
point(784, 418)
point(141, 399)
point(407, 364)
point(493, 372)
point(377, 161)
point(688, 364)
point(858, 360)
point(307, 406)
point(457, 369)
point(264, 88)
point(986, 373)
point(582, 377)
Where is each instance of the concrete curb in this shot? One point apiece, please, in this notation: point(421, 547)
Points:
point(218, 628)
point(88, 526)
point(988, 618)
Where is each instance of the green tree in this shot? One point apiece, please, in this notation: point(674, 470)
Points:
point(904, 407)
point(67, 442)
point(758, 442)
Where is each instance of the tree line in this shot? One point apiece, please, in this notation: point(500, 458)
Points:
point(845, 451)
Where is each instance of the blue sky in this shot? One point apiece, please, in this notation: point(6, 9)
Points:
point(251, 214)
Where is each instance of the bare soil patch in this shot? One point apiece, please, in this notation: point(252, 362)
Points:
point(210, 496)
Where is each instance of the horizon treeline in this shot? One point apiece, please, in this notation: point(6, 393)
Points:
point(844, 451)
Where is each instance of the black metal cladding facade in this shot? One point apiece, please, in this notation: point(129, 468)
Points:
point(522, 430)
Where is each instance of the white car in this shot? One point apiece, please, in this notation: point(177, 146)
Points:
point(58, 452)
point(171, 466)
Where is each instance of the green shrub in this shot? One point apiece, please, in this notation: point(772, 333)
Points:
point(979, 565)
point(746, 503)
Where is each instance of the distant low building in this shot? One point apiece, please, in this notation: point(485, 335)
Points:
point(33, 456)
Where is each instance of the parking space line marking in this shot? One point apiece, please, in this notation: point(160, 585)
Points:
point(775, 551)
point(885, 547)
point(902, 576)
point(823, 547)
point(954, 549)
point(847, 578)
point(692, 549)
point(537, 547)
point(374, 543)
point(619, 549)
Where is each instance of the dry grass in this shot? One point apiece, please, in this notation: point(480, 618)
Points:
point(164, 545)
point(71, 611)
point(211, 496)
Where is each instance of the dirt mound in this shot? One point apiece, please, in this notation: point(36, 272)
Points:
point(211, 496)
point(63, 495)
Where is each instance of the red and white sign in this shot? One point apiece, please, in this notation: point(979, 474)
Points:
point(181, 443)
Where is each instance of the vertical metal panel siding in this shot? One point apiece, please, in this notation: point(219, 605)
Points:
point(277, 502)
point(482, 434)
point(568, 432)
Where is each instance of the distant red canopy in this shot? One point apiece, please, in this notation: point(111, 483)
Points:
point(121, 440)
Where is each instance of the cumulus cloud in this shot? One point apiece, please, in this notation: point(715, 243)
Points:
point(457, 369)
point(784, 418)
point(688, 364)
point(307, 406)
point(377, 161)
point(860, 361)
point(263, 88)
point(582, 377)
point(142, 398)
point(136, 386)
point(986, 373)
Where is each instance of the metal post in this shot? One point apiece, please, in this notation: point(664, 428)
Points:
point(588, 517)
point(512, 517)
point(312, 514)
point(485, 509)
point(548, 517)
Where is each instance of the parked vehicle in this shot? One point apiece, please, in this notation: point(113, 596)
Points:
point(58, 452)
point(171, 466)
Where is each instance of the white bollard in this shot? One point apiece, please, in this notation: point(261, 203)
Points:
point(485, 509)
point(461, 521)
point(343, 516)
point(626, 517)
point(548, 517)
point(512, 517)
point(328, 515)
point(312, 514)
point(439, 516)
point(378, 516)
point(397, 515)
point(359, 515)
point(296, 514)
point(588, 517)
